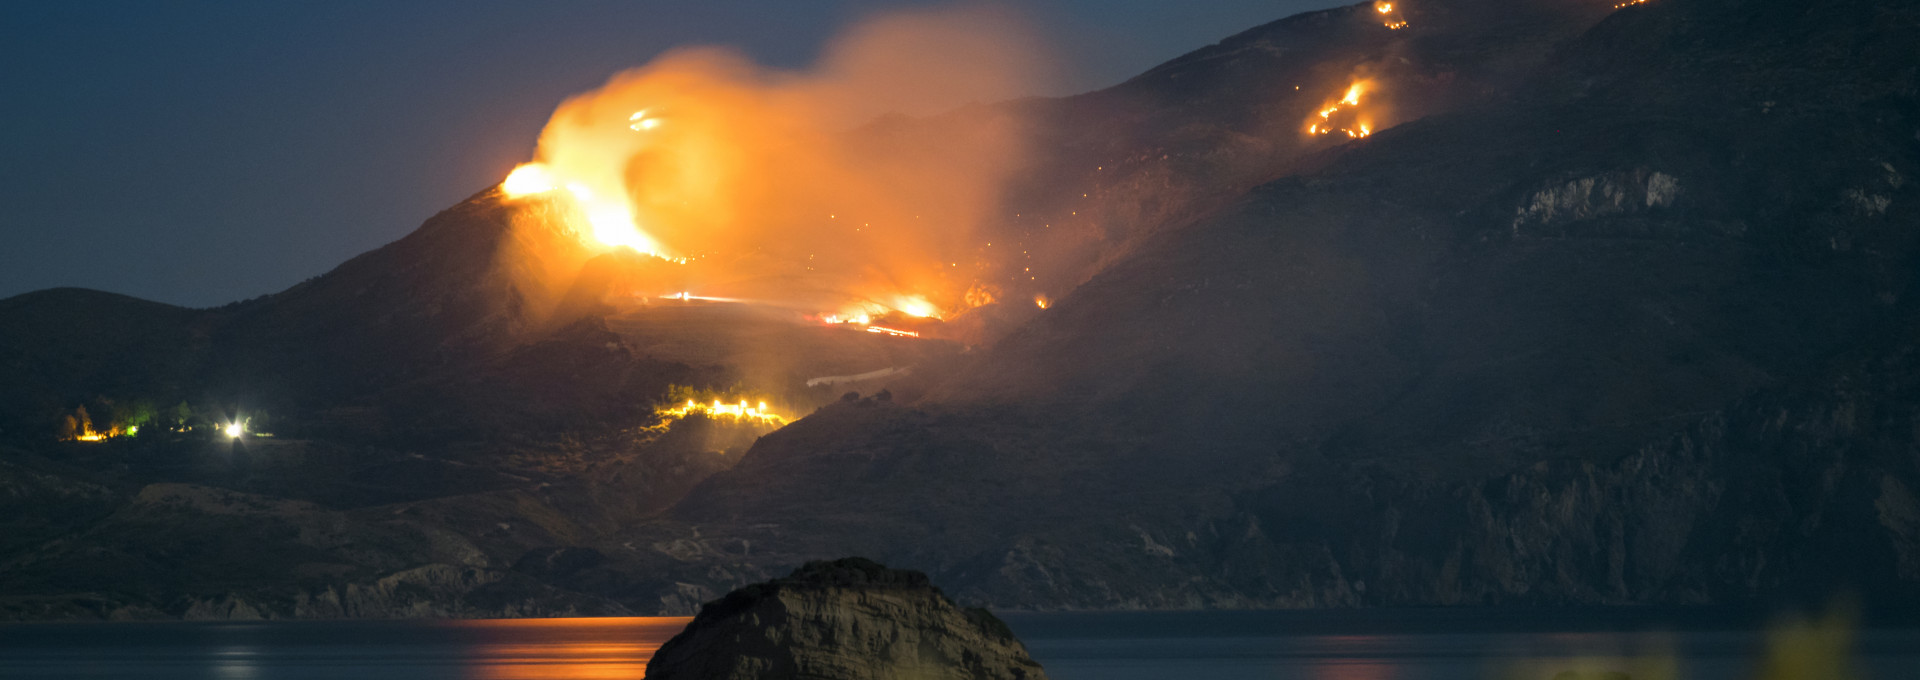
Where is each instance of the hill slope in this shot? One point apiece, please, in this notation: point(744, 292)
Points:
point(1640, 333)
point(1602, 313)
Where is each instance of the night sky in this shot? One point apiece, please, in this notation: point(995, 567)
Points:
point(201, 153)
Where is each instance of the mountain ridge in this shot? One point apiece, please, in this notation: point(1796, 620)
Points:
point(1621, 320)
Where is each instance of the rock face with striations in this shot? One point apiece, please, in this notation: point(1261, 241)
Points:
point(849, 619)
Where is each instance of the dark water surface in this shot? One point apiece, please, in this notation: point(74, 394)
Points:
point(1405, 645)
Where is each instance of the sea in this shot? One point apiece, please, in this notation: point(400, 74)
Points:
point(1368, 645)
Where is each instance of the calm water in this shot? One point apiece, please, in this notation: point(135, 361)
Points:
point(1411, 645)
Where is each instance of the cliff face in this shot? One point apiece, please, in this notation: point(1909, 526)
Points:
point(849, 619)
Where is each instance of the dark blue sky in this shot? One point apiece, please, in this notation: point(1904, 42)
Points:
point(200, 153)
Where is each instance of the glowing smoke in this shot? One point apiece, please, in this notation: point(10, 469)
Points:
point(783, 186)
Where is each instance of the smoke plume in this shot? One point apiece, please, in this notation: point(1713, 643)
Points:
point(853, 187)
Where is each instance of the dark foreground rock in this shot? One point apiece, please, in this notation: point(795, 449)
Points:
point(849, 619)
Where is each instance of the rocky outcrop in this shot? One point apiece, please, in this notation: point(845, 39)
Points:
point(851, 619)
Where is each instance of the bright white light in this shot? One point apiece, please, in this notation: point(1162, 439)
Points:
point(233, 430)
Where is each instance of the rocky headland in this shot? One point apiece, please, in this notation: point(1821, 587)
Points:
point(848, 619)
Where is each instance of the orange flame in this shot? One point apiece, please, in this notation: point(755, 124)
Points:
point(1352, 122)
point(892, 331)
point(753, 178)
point(719, 410)
point(1391, 18)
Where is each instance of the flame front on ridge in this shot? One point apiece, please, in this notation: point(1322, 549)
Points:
point(1350, 120)
point(768, 183)
point(1389, 15)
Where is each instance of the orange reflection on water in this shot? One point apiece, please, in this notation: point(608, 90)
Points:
point(1352, 657)
point(1352, 669)
point(570, 649)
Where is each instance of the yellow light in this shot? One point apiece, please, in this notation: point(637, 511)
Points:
point(526, 180)
point(640, 122)
point(1354, 92)
point(916, 306)
point(611, 222)
point(720, 410)
point(1042, 302)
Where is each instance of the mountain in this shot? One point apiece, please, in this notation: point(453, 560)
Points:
point(1614, 306)
point(1637, 333)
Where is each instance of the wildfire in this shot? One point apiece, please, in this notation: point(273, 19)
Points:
point(770, 185)
point(980, 295)
point(526, 180)
point(893, 332)
point(611, 221)
point(1352, 123)
point(1630, 3)
point(641, 122)
point(1391, 18)
point(865, 312)
point(1042, 302)
point(740, 412)
point(860, 318)
point(914, 305)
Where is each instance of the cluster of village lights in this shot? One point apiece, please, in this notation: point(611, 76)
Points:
point(232, 430)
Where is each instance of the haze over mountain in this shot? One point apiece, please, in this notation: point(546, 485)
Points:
point(1597, 305)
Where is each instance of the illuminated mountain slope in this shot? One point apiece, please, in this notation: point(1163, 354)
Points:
point(1641, 333)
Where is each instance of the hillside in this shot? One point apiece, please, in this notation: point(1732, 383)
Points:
point(1616, 339)
point(1611, 307)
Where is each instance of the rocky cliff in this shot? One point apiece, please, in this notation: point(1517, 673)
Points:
point(849, 619)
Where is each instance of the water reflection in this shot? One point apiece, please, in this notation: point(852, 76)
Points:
point(569, 649)
point(236, 663)
point(1351, 669)
point(1399, 645)
point(574, 661)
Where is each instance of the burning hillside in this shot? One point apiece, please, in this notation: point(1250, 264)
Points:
point(771, 187)
point(732, 407)
point(1344, 115)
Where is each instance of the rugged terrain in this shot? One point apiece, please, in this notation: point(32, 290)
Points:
point(849, 618)
point(1620, 310)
